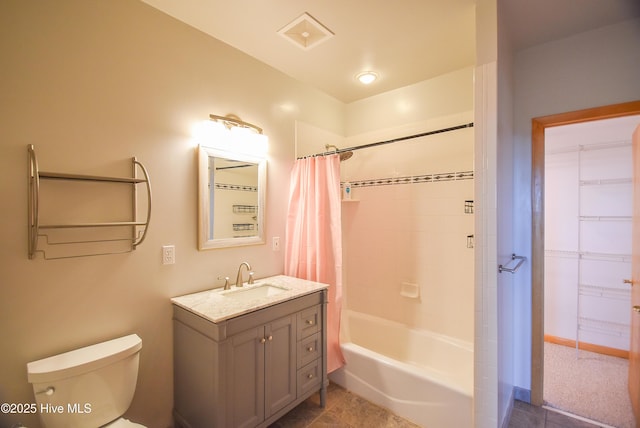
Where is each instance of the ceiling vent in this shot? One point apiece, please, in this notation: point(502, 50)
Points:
point(305, 32)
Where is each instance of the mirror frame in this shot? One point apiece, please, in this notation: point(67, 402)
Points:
point(204, 243)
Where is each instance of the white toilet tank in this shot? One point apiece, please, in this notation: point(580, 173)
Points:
point(87, 387)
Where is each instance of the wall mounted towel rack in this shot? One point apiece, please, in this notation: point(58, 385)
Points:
point(520, 259)
point(138, 228)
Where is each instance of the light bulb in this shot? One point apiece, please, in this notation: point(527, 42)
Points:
point(367, 77)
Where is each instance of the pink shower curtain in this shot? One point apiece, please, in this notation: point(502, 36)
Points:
point(313, 247)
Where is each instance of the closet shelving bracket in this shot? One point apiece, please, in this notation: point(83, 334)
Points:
point(139, 228)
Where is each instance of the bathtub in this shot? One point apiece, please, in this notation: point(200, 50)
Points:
point(422, 376)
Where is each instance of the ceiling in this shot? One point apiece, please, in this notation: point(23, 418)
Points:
point(404, 41)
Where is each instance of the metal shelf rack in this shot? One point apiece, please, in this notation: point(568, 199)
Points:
point(138, 228)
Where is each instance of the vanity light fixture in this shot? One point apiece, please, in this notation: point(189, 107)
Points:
point(367, 77)
point(232, 120)
point(231, 134)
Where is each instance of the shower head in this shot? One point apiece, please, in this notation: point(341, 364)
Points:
point(343, 155)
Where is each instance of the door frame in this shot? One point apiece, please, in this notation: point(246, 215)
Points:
point(538, 126)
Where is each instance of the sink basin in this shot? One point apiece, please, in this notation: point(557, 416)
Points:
point(254, 292)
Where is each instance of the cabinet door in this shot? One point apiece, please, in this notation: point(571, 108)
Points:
point(245, 393)
point(280, 364)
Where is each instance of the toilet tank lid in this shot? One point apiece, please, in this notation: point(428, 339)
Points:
point(83, 360)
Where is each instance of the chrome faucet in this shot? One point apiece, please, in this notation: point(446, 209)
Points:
point(239, 276)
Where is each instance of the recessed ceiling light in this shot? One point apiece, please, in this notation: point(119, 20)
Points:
point(367, 77)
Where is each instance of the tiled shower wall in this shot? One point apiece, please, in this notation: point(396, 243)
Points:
point(408, 233)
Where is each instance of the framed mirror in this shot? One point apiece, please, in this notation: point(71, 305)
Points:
point(231, 198)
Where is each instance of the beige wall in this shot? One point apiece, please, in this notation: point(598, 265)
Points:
point(426, 104)
point(91, 84)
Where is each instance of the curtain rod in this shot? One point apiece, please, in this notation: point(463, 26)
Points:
point(395, 140)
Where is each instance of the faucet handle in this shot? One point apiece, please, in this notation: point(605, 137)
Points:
point(251, 280)
point(227, 285)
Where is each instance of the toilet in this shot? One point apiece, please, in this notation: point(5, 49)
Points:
point(87, 387)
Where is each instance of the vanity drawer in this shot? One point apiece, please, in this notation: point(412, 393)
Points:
point(309, 322)
point(309, 349)
point(309, 377)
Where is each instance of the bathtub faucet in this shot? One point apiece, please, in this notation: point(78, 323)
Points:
point(239, 276)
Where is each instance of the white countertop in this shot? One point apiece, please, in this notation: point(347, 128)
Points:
point(216, 307)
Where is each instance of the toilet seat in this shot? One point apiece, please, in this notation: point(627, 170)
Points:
point(123, 423)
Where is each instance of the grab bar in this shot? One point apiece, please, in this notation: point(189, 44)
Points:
point(514, 269)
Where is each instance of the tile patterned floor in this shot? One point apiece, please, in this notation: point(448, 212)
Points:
point(525, 415)
point(347, 410)
point(343, 409)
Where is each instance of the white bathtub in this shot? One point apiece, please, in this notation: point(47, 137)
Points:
point(421, 376)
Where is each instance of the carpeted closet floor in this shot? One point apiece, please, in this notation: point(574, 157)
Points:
point(587, 384)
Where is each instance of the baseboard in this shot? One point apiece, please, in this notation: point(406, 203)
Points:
point(509, 410)
point(522, 394)
point(519, 394)
point(599, 349)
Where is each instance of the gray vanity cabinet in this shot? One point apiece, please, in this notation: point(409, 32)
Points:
point(250, 370)
point(261, 374)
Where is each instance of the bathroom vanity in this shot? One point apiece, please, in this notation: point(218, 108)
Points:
point(244, 357)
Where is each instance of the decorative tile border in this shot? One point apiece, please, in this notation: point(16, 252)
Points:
point(240, 187)
point(426, 178)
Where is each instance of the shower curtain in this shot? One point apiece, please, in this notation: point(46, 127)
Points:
point(313, 247)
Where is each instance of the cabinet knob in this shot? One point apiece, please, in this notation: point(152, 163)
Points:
point(636, 308)
point(263, 340)
point(628, 281)
point(270, 337)
point(310, 376)
point(310, 349)
point(310, 322)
